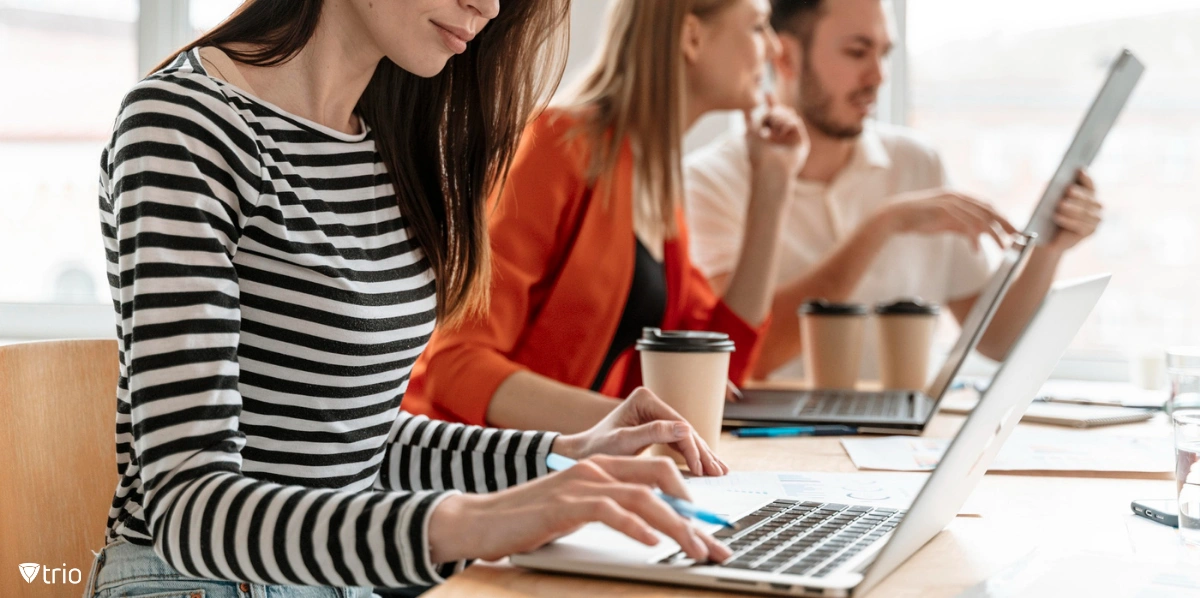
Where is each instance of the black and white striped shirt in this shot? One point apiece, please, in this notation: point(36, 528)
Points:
point(270, 305)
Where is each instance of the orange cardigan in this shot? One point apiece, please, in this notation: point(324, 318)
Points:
point(562, 265)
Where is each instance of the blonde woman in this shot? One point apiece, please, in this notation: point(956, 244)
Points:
point(588, 239)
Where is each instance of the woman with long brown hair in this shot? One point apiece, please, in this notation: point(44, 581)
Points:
point(288, 207)
point(588, 240)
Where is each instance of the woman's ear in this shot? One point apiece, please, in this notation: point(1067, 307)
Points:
point(691, 38)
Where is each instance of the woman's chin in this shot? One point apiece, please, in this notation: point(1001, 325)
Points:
point(737, 102)
point(747, 101)
point(425, 66)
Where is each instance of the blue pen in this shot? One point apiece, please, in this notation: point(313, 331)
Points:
point(794, 431)
point(558, 462)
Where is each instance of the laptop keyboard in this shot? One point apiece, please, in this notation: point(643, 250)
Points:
point(803, 538)
point(893, 404)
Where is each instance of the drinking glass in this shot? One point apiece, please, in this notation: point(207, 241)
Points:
point(1187, 473)
point(1183, 374)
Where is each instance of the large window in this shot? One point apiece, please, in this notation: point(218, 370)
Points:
point(68, 63)
point(999, 87)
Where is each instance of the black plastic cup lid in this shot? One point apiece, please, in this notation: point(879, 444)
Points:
point(907, 307)
point(684, 341)
point(821, 307)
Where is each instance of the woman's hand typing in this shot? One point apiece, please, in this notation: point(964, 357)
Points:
point(615, 491)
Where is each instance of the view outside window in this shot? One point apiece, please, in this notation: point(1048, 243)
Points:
point(75, 60)
point(205, 14)
point(999, 89)
point(70, 62)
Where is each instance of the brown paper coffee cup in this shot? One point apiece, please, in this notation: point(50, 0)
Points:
point(689, 371)
point(831, 337)
point(906, 331)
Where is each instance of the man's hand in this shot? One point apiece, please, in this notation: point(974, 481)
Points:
point(937, 211)
point(1078, 214)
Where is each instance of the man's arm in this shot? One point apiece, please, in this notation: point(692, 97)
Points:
point(1019, 304)
point(1077, 216)
point(927, 212)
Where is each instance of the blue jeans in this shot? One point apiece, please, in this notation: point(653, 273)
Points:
point(125, 570)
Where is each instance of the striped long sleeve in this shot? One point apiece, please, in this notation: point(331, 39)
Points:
point(270, 305)
point(427, 454)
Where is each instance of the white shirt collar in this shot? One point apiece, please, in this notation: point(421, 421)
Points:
point(870, 150)
point(869, 154)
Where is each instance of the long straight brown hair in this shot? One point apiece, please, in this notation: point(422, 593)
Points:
point(448, 140)
point(634, 92)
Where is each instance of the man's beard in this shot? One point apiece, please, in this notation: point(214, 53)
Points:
point(816, 107)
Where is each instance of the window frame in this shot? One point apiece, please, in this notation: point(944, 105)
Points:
point(893, 105)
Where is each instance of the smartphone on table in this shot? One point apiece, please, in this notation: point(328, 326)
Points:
point(1164, 511)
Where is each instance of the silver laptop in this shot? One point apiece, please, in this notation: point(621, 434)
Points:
point(795, 548)
point(890, 412)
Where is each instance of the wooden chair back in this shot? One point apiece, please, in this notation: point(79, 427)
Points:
point(57, 460)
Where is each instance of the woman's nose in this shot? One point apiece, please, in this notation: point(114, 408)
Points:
point(487, 9)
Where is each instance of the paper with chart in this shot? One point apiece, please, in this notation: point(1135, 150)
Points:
point(1028, 449)
point(889, 490)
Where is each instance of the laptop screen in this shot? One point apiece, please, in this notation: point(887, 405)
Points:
point(970, 453)
point(981, 315)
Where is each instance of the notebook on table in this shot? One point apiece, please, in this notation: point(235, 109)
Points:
point(1065, 414)
point(1083, 416)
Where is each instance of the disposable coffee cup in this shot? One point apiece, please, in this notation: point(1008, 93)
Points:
point(906, 330)
point(689, 371)
point(831, 338)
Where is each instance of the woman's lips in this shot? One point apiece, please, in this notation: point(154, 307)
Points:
point(455, 38)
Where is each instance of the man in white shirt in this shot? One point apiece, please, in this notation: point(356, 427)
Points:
point(871, 219)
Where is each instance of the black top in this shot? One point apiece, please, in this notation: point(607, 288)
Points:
point(644, 308)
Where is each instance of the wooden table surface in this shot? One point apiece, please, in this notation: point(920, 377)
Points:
point(1015, 515)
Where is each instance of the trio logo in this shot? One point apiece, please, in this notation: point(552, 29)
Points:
point(29, 571)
